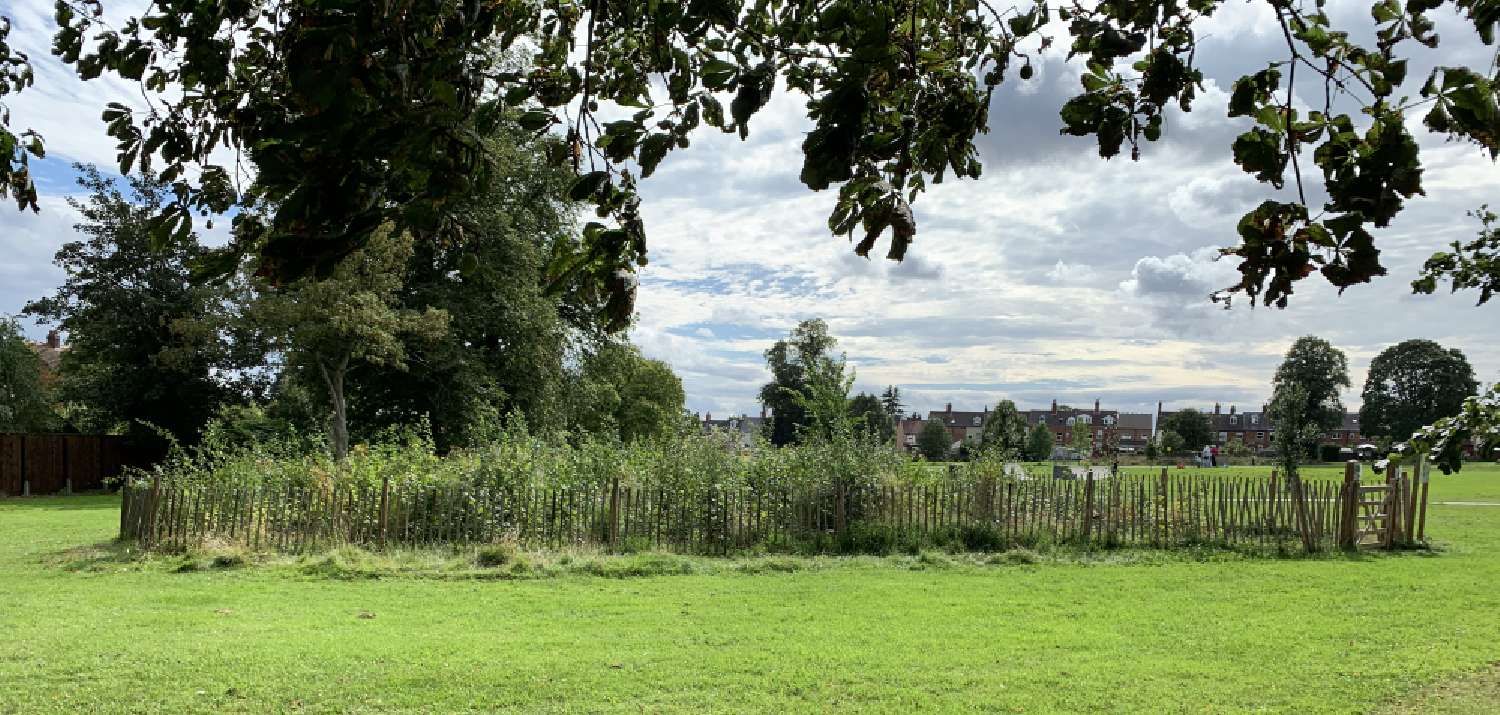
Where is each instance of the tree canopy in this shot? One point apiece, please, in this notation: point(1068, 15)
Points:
point(871, 418)
point(619, 392)
point(934, 441)
point(123, 305)
point(1411, 385)
point(1039, 443)
point(791, 361)
point(1322, 371)
point(1191, 426)
point(355, 114)
point(24, 402)
point(1005, 431)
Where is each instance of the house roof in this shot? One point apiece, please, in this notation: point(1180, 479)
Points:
point(956, 418)
point(1134, 420)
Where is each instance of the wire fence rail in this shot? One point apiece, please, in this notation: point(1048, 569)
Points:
point(1160, 510)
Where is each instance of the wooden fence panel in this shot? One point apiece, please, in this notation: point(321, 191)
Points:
point(49, 463)
point(44, 463)
point(83, 462)
point(11, 474)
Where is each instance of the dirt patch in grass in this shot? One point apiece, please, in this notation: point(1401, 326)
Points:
point(1473, 693)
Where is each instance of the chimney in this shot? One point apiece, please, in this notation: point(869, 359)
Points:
point(1231, 409)
point(762, 411)
point(950, 408)
point(1096, 405)
point(1216, 408)
point(1054, 407)
point(54, 340)
point(708, 416)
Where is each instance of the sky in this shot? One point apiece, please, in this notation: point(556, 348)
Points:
point(1057, 275)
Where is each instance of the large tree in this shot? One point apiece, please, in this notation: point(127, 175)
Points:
point(871, 418)
point(891, 401)
point(123, 304)
point(1191, 426)
point(1322, 371)
point(1411, 385)
point(1005, 431)
point(359, 113)
point(1039, 443)
point(326, 326)
point(619, 392)
point(934, 442)
point(24, 403)
point(509, 338)
point(790, 361)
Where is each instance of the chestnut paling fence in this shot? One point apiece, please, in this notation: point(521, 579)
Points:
point(1159, 510)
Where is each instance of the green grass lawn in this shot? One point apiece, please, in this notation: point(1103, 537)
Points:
point(1404, 633)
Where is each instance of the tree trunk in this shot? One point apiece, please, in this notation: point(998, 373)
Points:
point(338, 428)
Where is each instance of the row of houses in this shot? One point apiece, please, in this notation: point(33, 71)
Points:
point(1127, 432)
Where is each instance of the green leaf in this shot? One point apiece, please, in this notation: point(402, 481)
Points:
point(586, 186)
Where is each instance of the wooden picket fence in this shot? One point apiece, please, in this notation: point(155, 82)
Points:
point(1164, 510)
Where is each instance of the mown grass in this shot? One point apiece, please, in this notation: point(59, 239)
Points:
point(84, 626)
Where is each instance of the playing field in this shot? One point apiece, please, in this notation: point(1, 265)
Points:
point(1415, 632)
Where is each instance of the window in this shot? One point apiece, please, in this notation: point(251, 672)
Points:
point(1260, 435)
point(976, 420)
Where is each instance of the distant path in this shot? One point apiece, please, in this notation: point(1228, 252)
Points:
point(1467, 503)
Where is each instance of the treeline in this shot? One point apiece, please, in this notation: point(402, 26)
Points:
point(457, 337)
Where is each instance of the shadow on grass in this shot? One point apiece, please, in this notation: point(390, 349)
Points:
point(57, 502)
point(508, 562)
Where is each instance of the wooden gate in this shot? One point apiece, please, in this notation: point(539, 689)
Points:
point(1384, 515)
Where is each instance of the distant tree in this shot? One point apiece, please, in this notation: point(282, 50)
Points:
point(890, 400)
point(1082, 437)
point(1170, 442)
point(325, 325)
point(1295, 436)
point(1152, 451)
point(934, 441)
point(1039, 443)
point(1005, 431)
point(824, 399)
point(620, 392)
point(125, 295)
point(1411, 385)
point(1191, 426)
point(1322, 371)
point(871, 417)
point(24, 403)
point(788, 361)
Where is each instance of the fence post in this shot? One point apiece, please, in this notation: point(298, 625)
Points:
point(1393, 506)
point(1349, 507)
point(1088, 505)
point(614, 512)
point(148, 534)
point(1425, 472)
point(385, 502)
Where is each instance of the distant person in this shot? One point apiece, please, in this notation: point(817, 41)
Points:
point(1213, 456)
point(1206, 458)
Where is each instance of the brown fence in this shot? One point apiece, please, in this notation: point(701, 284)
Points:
point(1129, 510)
point(58, 463)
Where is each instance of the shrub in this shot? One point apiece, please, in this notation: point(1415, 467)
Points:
point(495, 555)
point(1328, 453)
